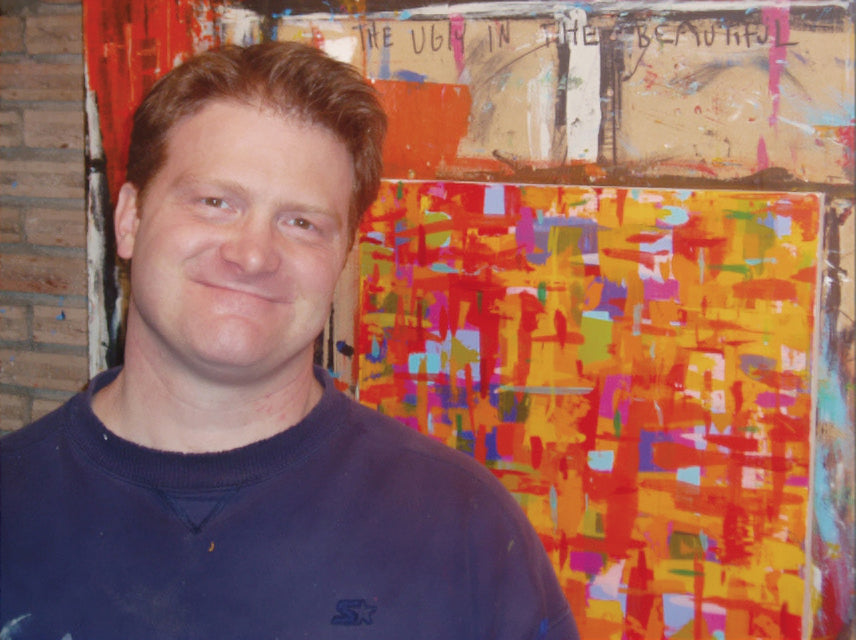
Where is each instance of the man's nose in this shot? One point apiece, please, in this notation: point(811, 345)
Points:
point(251, 247)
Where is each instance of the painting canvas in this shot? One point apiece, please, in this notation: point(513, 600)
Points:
point(612, 260)
point(632, 364)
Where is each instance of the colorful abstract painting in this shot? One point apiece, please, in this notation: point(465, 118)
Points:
point(634, 365)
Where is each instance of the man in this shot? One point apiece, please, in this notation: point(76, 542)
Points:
point(217, 485)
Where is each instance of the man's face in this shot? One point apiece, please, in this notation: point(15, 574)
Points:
point(237, 245)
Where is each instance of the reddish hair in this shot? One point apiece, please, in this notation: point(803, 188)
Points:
point(292, 79)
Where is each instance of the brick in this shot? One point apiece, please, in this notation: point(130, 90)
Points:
point(13, 323)
point(11, 128)
point(61, 372)
point(41, 44)
point(11, 34)
point(14, 411)
point(56, 227)
point(60, 325)
point(43, 406)
point(33, 273)
point(53, 129)
point(31, 80)
point(42, 178)
point(54, 34)
point(11, 229)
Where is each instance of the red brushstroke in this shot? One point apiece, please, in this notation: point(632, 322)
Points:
point(736, 533)
point(601, 545)
point(621, 197)
point(690, 238)
point(588, 422)
point(640, 257)
point(129, 45)
point(830, 617)
point(734, 443)
point(846, 137)
point(444, 323)
point(785, 428)
point(645, 238)
point(640, 598)
point(537, 451)
point(699, 625)
point(766, 289)
point(506, 434)
point(671, 455)
point(807, 275)
point(791, 624)
point(488, 324)
point(530, 310)
point(623, 505)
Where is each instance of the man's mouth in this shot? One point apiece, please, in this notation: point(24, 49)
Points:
point(241, 289)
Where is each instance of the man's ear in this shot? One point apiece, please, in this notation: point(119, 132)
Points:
point(126, 220)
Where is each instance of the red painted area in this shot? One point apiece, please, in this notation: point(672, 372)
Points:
point(807, 275)
point(766, 289)
point(734, 443)
point(537, 451)
point(846, 137)
point(639, 257)
point(640, 599)
point(426, 123)
point(690, 238)
point(129, 45)
point(530, 309)
point(644, 238)
point(791, 624)
point(671, 455)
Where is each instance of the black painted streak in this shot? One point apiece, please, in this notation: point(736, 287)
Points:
point(564, 52)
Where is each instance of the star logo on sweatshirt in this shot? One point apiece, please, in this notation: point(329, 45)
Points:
point(353, 612)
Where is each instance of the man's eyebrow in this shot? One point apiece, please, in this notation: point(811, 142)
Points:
point(188, 182)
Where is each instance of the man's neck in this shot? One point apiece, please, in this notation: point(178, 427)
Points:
point(189, 414)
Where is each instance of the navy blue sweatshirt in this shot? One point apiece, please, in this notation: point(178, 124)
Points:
point(346, 525)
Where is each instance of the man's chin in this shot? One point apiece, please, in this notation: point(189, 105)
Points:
point(246, 367)
point(237, 366)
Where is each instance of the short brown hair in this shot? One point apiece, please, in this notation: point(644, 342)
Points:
point(292, 78)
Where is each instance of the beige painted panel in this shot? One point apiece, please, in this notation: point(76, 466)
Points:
point(700, 95)
point(718, 111)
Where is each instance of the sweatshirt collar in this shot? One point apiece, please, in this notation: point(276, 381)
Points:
point(200, 471)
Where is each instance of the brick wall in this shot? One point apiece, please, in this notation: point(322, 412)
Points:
point(43, 308)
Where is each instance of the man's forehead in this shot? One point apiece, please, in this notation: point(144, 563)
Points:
point(264, 108)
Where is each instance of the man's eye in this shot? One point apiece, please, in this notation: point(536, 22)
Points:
point(217, 203)
point(301, 223)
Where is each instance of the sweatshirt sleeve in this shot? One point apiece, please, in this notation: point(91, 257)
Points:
point(516, 593)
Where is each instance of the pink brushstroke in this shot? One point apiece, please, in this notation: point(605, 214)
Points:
point(525, 232)
point(457, 26)
point(763, 158)
point(777, 21)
